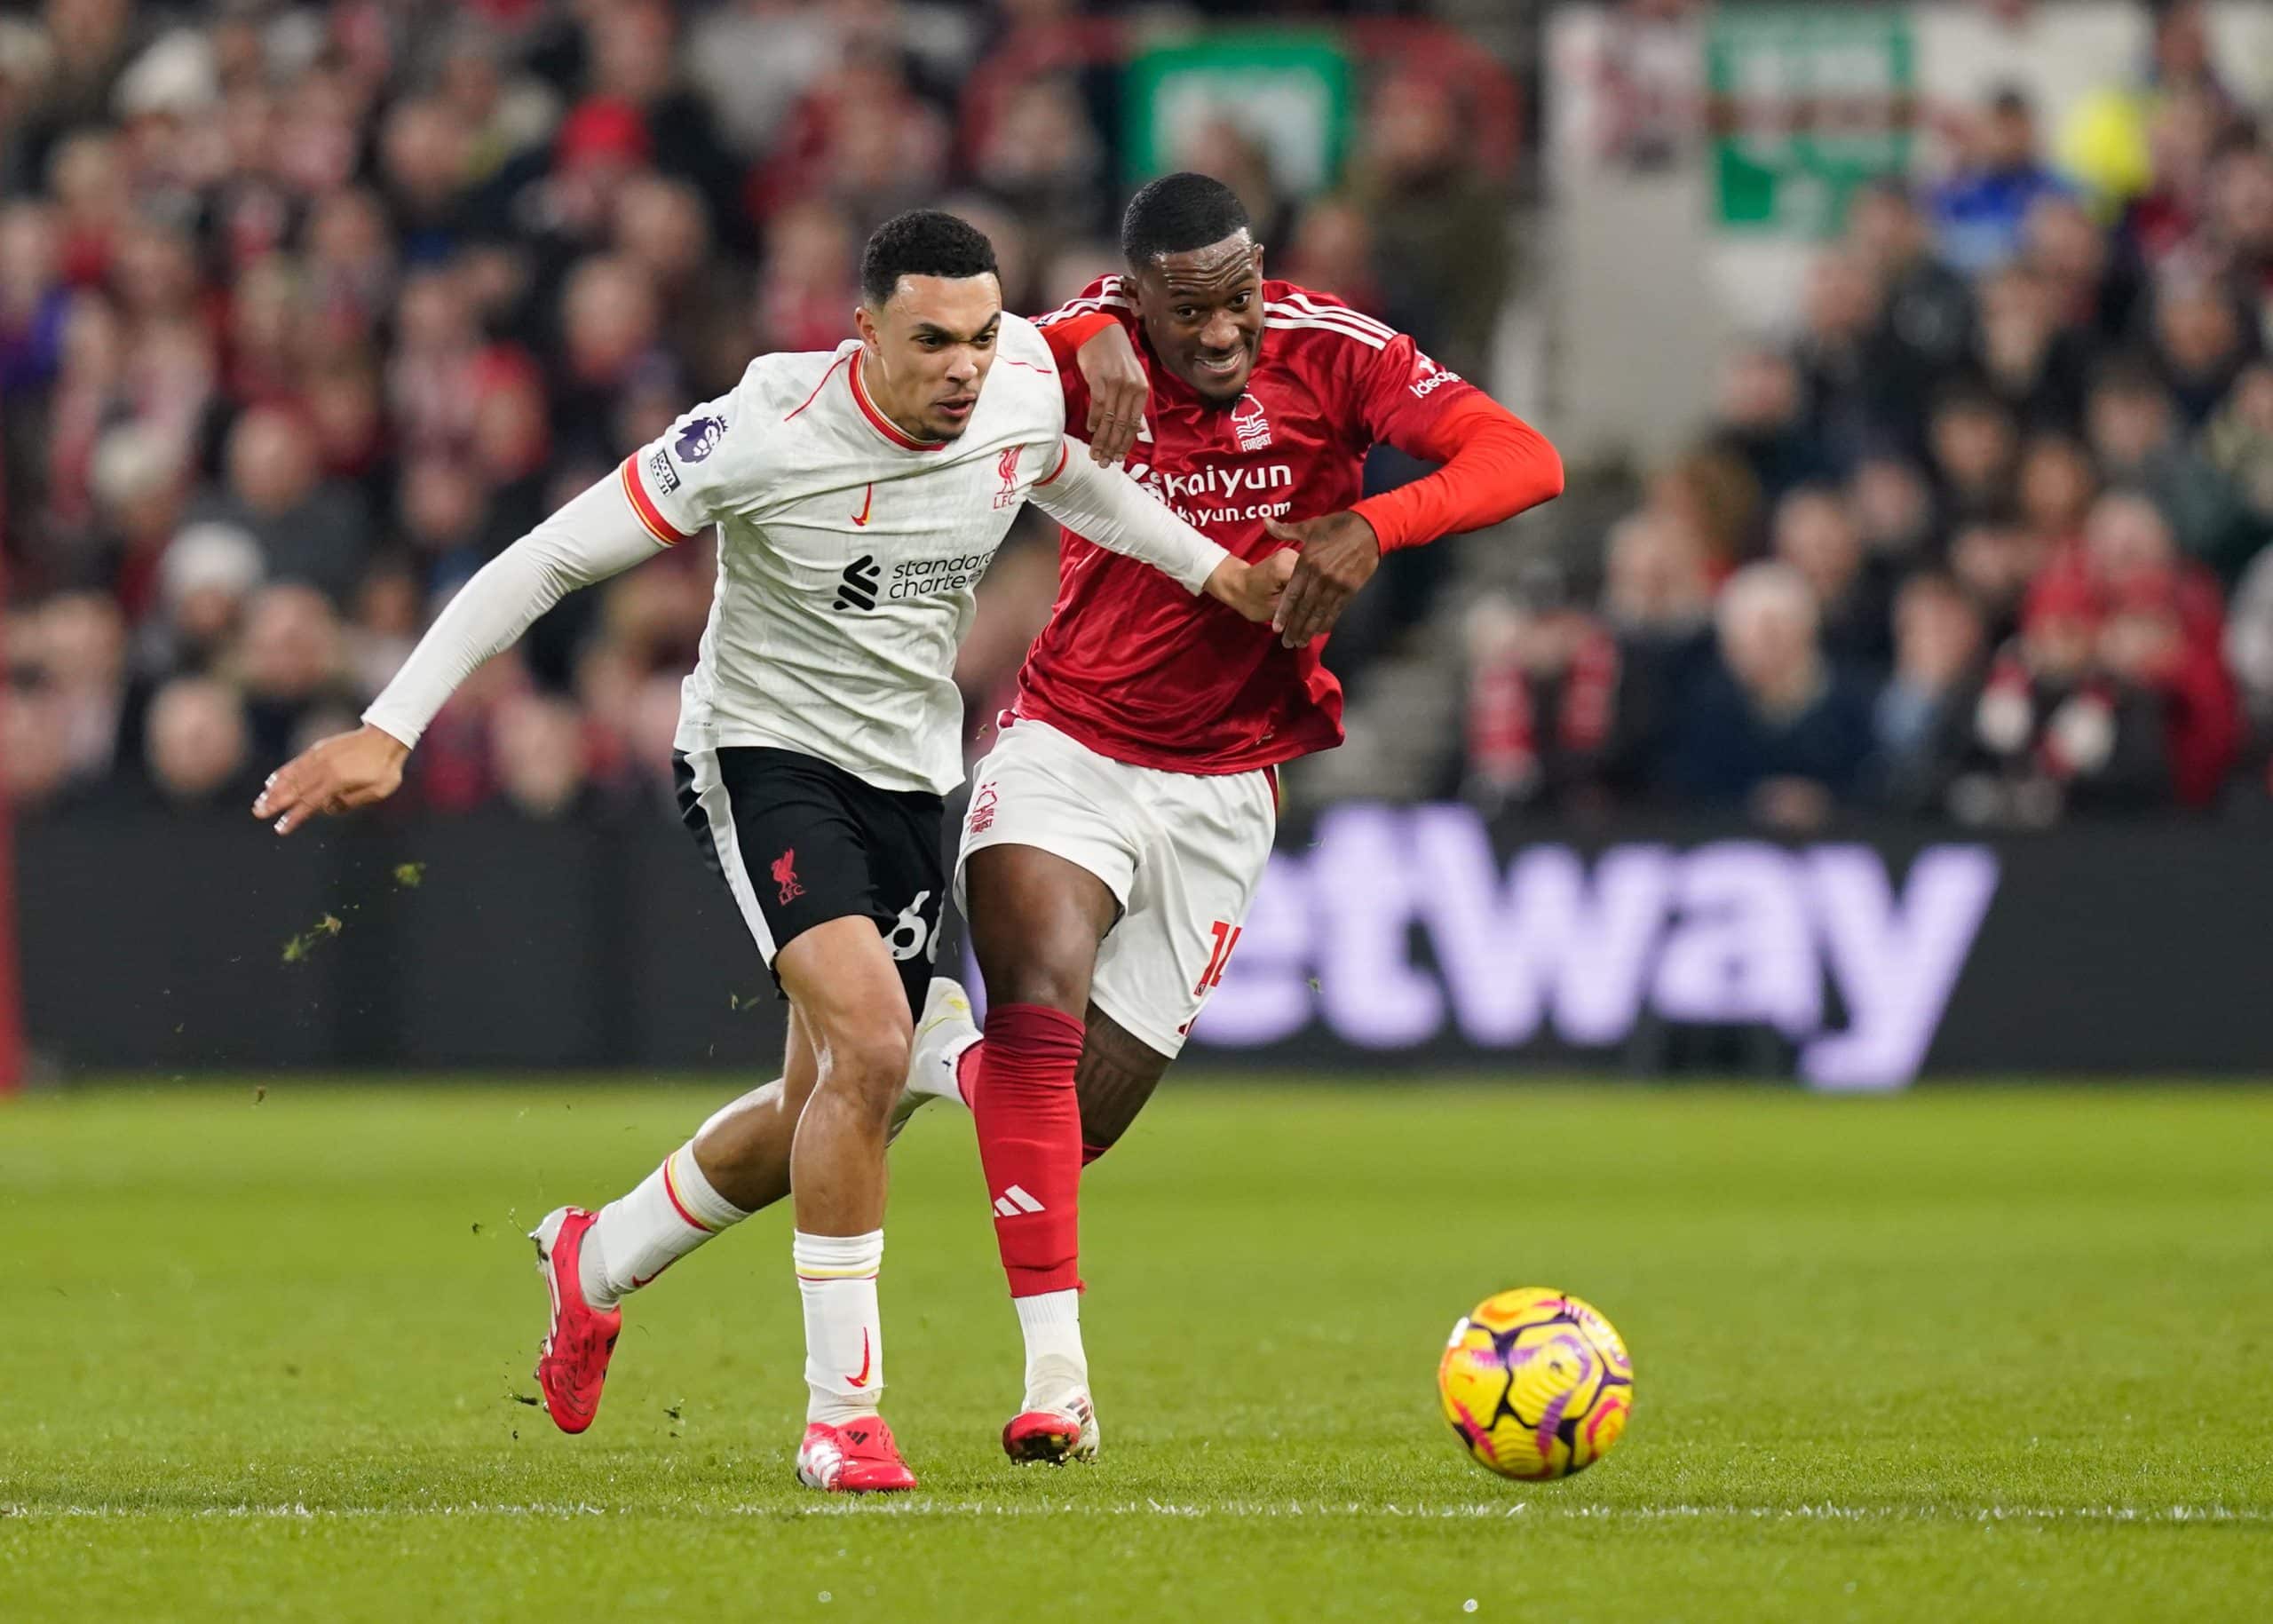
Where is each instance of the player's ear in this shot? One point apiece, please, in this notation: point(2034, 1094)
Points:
point(1254, 258)
point(864, 324)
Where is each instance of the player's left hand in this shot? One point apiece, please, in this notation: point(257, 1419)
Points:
point(1117, 391)
point(1340, 554)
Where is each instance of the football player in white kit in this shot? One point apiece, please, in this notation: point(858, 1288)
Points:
point(859, 495)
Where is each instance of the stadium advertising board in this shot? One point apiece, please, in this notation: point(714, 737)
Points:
point(1398, 928)
point(1387, 941)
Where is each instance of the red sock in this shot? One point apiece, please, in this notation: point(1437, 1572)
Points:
point(1029, 1124)
point(967, 1081)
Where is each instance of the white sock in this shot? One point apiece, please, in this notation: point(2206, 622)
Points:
point(673, 1210)
point(844, 1334)
point(1057, 1368)
point(933, 1069)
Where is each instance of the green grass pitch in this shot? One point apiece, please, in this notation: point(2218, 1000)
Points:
point(1998, 1354)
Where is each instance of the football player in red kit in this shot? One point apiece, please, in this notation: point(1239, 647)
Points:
point(1118, 828)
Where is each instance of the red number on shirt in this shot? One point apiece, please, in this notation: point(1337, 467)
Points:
point(1227, 937)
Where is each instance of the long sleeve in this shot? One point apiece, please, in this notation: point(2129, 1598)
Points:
point(1066, 334)
point(1495, 466)
point(595, 535)
point(1105, 506)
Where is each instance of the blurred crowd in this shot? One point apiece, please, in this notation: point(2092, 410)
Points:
point(307, 310)
point(1984, 539)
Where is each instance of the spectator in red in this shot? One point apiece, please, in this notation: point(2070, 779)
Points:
point(2055, 732)
point(634, 68)
point(1542, 697)
point(2146, 643)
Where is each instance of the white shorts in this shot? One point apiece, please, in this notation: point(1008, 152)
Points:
point(1182, 852)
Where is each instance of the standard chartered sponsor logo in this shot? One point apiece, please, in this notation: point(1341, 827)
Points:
point(923, 577)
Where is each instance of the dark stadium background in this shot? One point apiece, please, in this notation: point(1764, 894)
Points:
point(1956, 318)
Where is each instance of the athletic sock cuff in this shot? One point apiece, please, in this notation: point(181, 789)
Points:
point(1034, 1029)
point(838, 1257)
point(698, 1201)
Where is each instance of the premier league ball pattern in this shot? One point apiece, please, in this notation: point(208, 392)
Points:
point(1536, 1383)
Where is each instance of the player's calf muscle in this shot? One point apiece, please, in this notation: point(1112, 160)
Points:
point(743, 1150)
point(1117, 1075)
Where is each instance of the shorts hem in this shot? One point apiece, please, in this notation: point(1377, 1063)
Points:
point(1167, 1044)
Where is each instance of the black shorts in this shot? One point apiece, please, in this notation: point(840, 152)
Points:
point(799, 843)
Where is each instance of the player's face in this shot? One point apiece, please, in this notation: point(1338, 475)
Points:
point(929, 351)
point(1202, 310)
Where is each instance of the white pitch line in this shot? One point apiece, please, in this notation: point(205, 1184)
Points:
point(1234, 1510)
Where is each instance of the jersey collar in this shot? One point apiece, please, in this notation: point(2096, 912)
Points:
point(883, 425)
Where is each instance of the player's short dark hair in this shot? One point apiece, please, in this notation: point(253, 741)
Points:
point(1177, 213)
point(921, 243)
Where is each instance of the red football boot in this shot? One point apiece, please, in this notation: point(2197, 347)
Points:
point(859, 1457)
point(572, 1365)
point(1053, 1437)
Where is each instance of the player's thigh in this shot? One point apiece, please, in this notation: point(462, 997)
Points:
point(1035, 920)
point(905, 833)
point(1210, 843)
point(1047, 861)
point(850, 1005)
point(790, 836)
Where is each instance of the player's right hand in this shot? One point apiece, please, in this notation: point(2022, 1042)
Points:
point(333, 775)
point(1253, 590)
point(1117, 391)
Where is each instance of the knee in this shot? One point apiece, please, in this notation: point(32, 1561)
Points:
point(870, 1061)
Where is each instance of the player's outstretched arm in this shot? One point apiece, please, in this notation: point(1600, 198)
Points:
point(595, 535)
point(1105, 506)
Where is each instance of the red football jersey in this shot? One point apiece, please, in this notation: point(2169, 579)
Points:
point(1131, 664)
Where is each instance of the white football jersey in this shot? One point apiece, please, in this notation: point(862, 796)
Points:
point(847, 553)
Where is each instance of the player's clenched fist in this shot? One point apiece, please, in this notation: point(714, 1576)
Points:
point(335, 775)
point(1253, 590)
